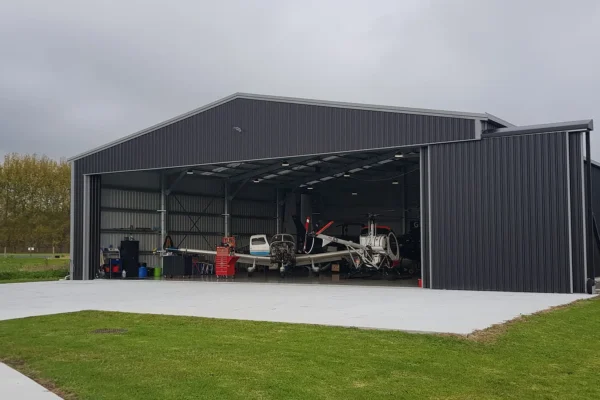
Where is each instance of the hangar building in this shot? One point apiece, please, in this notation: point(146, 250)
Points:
point(499, 207)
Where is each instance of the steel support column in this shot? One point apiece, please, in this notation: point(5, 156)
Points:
point(86, 229)
point(163, 212)
point(226, 209)
point(278, 208)
point(72, 228)
point(406, 228)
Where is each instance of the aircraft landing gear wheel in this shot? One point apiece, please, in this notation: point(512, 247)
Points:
point(250, 274)
point(282, 272)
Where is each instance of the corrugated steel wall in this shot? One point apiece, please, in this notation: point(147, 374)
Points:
point(274, 129)
point(121, 198)
point(500, 214)
point(596, 210)
point(125, 219)
point(204, 224)
point(95, 223)
point(195, 204)
point(77, 205)
point(253, 211)
point(148, 241)
point(132, 200)
point(202, 242)
point(123, 209)
point(577, 211)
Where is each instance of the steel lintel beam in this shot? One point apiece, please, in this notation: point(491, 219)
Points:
point(342, 169)
point(203, 173)
point(266, 169)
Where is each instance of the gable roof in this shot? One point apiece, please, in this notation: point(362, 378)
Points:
point(293, 100)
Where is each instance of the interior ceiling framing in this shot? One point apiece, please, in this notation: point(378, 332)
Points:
point(304, 172)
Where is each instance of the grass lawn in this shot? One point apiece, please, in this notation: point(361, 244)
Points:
point(23, 268)
point(552, 355)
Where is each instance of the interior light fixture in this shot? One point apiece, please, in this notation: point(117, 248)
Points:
point(394, 182)
point(354, 194)
point(255, 180)
point(190, 172)
point(237, 129)
point(346, 175)
point(310, 188)
point(285, 164)
point(398, 155)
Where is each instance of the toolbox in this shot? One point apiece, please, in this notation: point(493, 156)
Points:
point(225, 263)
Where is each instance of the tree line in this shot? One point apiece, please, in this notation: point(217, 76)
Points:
point(34, 204)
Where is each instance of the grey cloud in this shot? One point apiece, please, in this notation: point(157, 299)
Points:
point(78, 74)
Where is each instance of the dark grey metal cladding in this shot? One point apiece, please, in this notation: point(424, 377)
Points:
point(424, 186)
point(596, 210)
point(578, 234)
point(94, 236)
point(570, 126)
point(487, 126)
point(499, 214)
point(95, 203)
point(77, 205)
point(274, 129)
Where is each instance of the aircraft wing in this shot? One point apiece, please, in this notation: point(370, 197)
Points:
point(250, 259)
point(307, 259)
point(243, 258)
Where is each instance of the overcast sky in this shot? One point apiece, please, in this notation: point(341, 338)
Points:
point(75, 74)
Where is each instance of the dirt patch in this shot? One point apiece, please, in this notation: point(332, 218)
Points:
point(51, 386)
point(492, 333)
point(113, 331)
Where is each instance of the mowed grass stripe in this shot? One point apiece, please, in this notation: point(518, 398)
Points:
point(35, 268)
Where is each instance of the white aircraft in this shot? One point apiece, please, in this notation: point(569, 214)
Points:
point(377, 249)
point(279, 254)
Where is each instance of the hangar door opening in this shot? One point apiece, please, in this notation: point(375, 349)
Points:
point(364, 206)
point(357, 191)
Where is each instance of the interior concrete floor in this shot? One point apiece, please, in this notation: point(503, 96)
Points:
point(389, 307)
